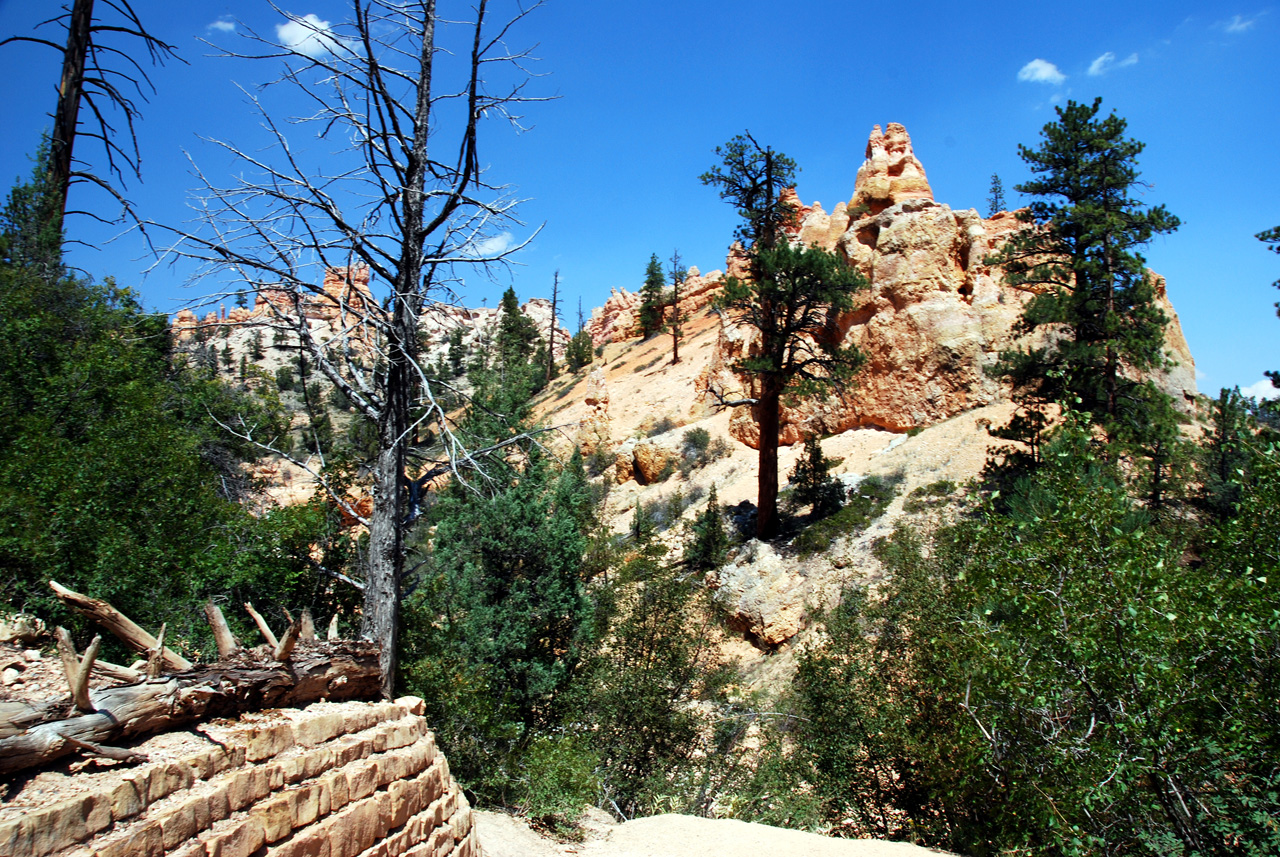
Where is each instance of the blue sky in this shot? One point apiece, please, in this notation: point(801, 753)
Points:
point(647, 90)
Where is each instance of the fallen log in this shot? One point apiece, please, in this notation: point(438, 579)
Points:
point(250, 681)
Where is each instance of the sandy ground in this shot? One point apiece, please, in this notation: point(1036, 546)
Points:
point(677, 836)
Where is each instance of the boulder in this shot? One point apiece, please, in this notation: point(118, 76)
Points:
point(763, 594)
point(653, 461)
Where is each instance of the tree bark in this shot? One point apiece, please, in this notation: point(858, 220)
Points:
point(66, 117)
point(337, 672)
point(767, 500)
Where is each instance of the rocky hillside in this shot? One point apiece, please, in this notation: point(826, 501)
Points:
point(935, 317)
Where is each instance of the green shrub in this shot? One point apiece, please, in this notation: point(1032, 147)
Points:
point(698, 449)
point(663, 425)
point(866, 502)
point(929, 496)
point(558, 778)
point(1057, 679)
point(695, 442)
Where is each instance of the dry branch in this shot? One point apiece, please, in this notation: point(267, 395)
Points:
point(115, 671)
point(222, 636)
point(117, 623)
point(308, 625)
point(153, 658)
point(287, 642)
point(333, 628)
point(80, 687)
point(262, 625)
point(77, 671)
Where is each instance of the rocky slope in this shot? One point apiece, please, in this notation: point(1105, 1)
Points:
point(935, 317)
point(933, 321)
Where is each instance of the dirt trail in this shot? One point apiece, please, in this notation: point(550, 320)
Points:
point(677, 836)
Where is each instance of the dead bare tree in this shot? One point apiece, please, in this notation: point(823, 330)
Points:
point(403, 95)
point(110, 82)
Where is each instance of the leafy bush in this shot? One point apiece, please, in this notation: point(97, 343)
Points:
point(695, 442)
point(662, 425)
point(663, 513)
point(866, 502)
point(639, 701)
point(1056, 680)
point(558, 778)
point(698, 449)
point(284, 379)
point(929, 496)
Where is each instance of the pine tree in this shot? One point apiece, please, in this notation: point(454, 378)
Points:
point(578, 353)
point(255, 346)
point(1272, 238)
point(516, 333)
point(812, 484)
point(708, 542)
point(652, 299)
point(791, 299)
point(677, 273)
point(1079, 253)
point(995, 201)
point(457, 351)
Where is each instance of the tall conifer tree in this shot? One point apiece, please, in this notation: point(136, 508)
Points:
point(1079, 254)
point(652, 299)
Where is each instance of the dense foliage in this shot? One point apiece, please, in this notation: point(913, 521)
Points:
point(1057, 679)
point(114, 478)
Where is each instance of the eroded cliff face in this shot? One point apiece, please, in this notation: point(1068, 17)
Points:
point(935, 317)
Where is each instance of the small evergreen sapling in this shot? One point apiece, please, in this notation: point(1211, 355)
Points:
point(812, 485)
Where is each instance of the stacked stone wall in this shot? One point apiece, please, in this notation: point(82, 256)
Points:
point(330, 780)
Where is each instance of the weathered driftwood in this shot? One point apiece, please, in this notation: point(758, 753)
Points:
point(288, 641)
point(117, 623)
point(155, 660)
point(262, 625)
point(308, 625)
point(35, 735)
point(77, 671)
point(222, 636)
point(333, 628)
point(115, 671)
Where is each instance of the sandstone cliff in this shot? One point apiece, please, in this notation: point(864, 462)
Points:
point(936, 316)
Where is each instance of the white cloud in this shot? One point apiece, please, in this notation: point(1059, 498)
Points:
point(1041, 71)
point(223, 25)
point(491, 246)
point(1107, 61)
point(1238, 24)
point(308, 35)
point(1261, 390)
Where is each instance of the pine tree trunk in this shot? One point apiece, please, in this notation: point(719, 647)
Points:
point(767, 501)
